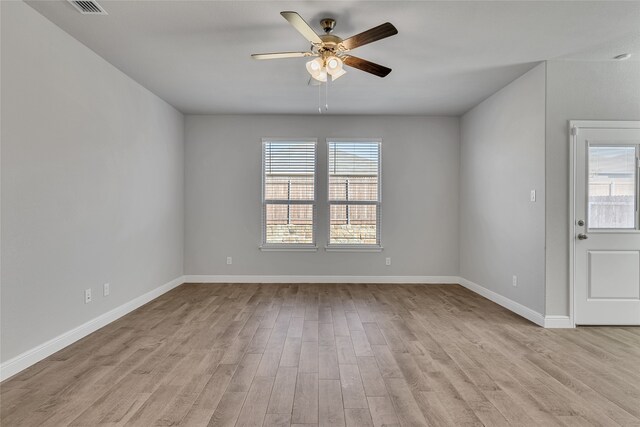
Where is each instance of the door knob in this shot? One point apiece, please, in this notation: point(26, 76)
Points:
point(582, 236)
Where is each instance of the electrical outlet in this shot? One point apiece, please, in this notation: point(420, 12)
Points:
point(229, 260)
point(87, 296)
point(106, 290)
point(388, 261)
point(515, 281)
point(533, 195)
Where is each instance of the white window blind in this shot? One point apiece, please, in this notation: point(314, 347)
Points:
point(288, 193)
point(354, 193)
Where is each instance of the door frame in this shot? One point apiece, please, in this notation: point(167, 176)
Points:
point(574, 129)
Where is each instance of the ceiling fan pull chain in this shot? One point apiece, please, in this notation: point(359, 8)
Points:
point(319, 98)
point(326, 94)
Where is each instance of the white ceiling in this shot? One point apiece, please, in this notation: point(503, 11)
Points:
point(447, 57)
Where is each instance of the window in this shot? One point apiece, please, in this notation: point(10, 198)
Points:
point(354, 193)
point(288, 194)
point(612, 186)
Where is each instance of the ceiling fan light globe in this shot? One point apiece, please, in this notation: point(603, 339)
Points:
point(334, 64)
point(320, 76)
point(338, 73)
point(314, 66)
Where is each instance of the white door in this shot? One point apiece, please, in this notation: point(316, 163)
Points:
point(607, 226)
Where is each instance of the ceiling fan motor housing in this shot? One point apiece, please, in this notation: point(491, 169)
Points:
point(330, 43)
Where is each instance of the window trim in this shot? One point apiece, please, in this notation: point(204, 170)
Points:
point(298, 247)
point(346, 247)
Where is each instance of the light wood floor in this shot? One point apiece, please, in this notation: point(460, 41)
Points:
point(331, 355)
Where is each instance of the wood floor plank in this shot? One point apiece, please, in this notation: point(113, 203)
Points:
point(268, 366)
point(346, 354)
point(228, 410)
point(361, 345)
point(340, 326)
point(353, 321)
point(358, 417)
point(255, 405)
point(382, 412)
point(328, 363)
point(202, 410)
point(324, 314)
point(259, 341)
point(310, 331)
point(245, 372)
point(330, 409)
point(411, 372)
point(239, 345)
point(407, 409)
point(371, 377)
point(393, 339)
point(352, 390)
point(305, 402)
point(386, 362)
point(325, 334)
point(282, 394)
point(311, 312)
point(433, 410)
point(277, 420)
point(308, 357)
point(296, 327)
point(291, 352)
point(157, 401)
point(194, 377)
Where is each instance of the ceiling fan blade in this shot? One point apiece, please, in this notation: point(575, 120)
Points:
point(281, 55)
point(374, 34)
point(367, 66)
point(302, 27)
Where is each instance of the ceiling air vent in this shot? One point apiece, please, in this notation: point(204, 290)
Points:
point(88, 7)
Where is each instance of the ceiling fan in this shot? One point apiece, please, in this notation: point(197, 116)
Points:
point(330, 51)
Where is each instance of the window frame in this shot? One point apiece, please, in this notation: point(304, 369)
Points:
point(352, 247)
point(264, 246)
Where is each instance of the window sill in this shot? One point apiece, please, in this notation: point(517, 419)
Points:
point(353, 248)
point(288, 248)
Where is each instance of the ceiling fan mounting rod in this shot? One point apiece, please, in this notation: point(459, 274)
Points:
point(328, 24)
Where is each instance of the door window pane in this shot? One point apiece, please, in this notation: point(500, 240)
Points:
point(612, 187)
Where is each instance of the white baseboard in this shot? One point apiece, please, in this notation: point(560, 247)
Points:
point(558, 322)
point(516, 307)
point(320, 279)
point(36, 354)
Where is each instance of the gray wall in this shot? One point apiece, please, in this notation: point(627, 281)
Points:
point(502, 159)
point(419, 195)
point(577, 90)
point(92, 183)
